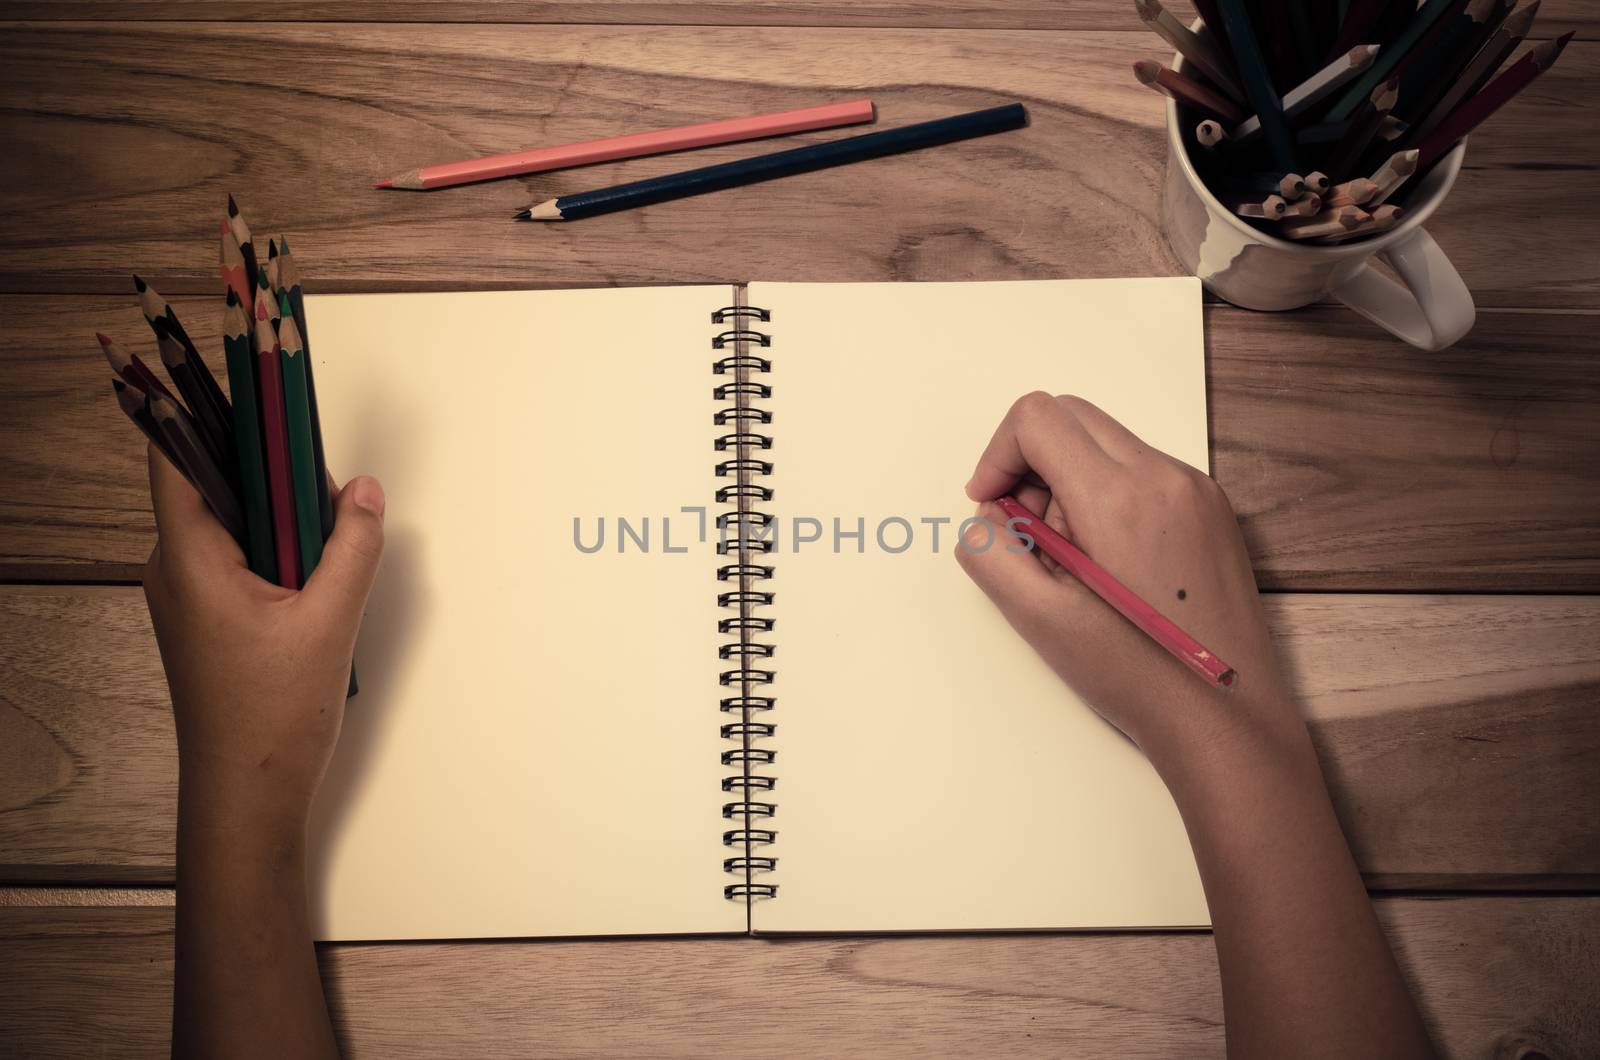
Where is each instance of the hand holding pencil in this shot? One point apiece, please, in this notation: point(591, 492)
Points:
point(1162, 529)
point(257, 671)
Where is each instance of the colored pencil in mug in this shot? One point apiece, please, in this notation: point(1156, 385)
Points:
point(1381, 219)
point(1326, 223)
point(1391, 129)
point(1272, 23)
point(1387, 64)
point(1358, 26)
point(1207, 10)
point(132, 401)
point(1258, 84)
point(247, 440)
point(1202, 54)
point(1351, 192)
point(275, 439)
point(1303, 33)
point(1393, 173)
point(1512, 29)
point(289, 277)
point(1365, 125)
point(1313, 90)
point(1424, 80)
point(130, 367)
point(1210, 134)
point(1270, 208)
point(207, 477)
point(634, 145)
point(782, 164)
point(302, 468)
point(1518, 76)
point(1323, 133)
point(1124, 600)
point(1187, 90)
point(1307, 205)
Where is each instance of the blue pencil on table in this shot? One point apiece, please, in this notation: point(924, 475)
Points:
point(781, 164)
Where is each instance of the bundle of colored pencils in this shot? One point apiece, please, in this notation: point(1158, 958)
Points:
point(1307, 118)
point(257, 461)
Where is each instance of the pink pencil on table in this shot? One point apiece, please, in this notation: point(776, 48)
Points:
point(1102, 583)
point(634, 145)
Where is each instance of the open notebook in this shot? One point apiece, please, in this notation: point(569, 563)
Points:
point(560, 733)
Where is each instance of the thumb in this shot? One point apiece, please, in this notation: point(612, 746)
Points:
point(349, 563)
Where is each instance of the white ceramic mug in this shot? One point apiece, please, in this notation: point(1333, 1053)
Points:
point(1248, 267)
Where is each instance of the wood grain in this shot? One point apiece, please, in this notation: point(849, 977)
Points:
point(125, 138)
point(1555, 17)
point(1355, 462)
point(1458, 734)
point(1497, 979)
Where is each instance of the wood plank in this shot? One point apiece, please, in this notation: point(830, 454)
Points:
point(1501, 977)
point(128, 136)
point(1355, 462)
point(1555, 17)
point(1458, 735)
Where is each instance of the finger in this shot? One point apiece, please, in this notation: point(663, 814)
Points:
point(1042, 435)
point(183, 522)
point(1008, 574)
point(1038, 499)
point(343, 579)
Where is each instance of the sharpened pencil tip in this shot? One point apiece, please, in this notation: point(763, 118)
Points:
point(138, 284)
point(523, 215)
point(384, 183)
point(233, 207)
point(105, 340)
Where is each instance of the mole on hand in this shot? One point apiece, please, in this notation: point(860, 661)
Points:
point(1183, 594)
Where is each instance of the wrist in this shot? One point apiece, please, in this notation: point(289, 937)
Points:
point(1212, 737)
point(225, 799)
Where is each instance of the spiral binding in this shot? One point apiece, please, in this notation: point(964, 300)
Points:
point(740, 539)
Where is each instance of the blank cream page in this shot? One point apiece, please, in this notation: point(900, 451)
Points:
point(933, 774)
point(534, 749)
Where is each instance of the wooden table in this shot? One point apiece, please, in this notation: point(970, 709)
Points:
point(1431, 517)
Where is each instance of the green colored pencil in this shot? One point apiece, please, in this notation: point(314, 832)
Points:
point(1390, 58)
point(247, 441)
point(289, 280)
point(302, 462)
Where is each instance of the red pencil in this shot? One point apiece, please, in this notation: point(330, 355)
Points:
point(275, 428)
point(1188, 91)
point(1157, 626)
point(1469, 115)
point(635, 145)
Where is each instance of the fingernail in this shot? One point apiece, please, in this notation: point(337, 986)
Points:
point(366, 493)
